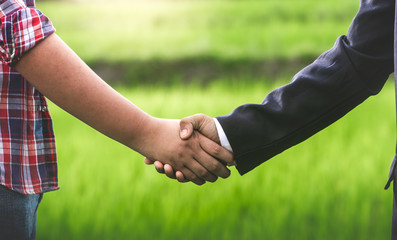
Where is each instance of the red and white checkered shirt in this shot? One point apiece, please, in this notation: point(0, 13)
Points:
point(27, 143)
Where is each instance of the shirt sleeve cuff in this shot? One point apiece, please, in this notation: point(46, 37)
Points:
point(222, 136)
point(22, 28)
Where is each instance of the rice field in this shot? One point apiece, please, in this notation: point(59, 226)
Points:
point(329, 187)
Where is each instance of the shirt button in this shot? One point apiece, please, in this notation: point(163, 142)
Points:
point(44, 108)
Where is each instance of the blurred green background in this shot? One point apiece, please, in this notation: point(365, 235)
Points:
point(177, 58)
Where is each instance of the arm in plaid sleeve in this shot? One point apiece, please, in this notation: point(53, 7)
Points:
point(57, 72)
point(21, 28)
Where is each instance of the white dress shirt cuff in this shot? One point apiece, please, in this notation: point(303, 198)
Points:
point(222, 136)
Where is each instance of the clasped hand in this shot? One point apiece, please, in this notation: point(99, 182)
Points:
point(199, 156)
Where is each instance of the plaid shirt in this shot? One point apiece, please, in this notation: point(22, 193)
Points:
point(27, 144)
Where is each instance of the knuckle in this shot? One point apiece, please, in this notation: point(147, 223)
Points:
point(200, 115)
point(187, 175)
point(216, 149)
point(180, 155)
point(215, 167)
point(184, 122)
point(193, 178)
point(203, 173)
point(206, 175)
point(183, 145)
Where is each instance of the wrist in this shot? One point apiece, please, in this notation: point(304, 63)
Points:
point(143, 139)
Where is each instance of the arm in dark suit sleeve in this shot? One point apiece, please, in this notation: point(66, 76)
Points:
point(340, 79)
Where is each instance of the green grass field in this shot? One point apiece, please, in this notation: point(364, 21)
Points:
point(167, 42)
point(125, 30)
point(329, 187)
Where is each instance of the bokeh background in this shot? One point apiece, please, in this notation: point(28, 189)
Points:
point(177, 58)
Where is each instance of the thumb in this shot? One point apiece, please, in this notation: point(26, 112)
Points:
point(188, 125)
point(186, 130)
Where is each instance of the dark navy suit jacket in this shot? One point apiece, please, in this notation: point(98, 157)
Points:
point(339, 80)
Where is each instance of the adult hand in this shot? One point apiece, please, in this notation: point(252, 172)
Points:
point(201, 123)
point(194, 158)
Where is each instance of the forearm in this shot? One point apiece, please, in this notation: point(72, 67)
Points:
point(57, 72)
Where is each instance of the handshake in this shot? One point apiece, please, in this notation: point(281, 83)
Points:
point(189, 150)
